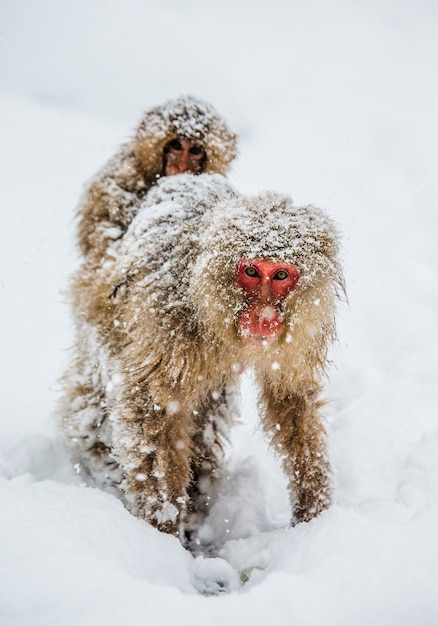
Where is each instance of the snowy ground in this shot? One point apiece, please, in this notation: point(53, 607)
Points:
point(336, 104)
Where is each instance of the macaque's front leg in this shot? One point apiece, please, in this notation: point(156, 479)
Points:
point(154, 451)
point(298, 434)
point(212, 433)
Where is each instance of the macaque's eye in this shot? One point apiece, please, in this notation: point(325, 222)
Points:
point(195, 150)
point(175, 144)
point(252, 272)
point(281, 275)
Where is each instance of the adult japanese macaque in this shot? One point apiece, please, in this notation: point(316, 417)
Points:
point(204, 284)
point(185, 135)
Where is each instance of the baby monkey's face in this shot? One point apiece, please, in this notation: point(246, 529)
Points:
point(182, 156)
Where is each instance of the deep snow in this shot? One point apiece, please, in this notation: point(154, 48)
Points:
point(336, 105)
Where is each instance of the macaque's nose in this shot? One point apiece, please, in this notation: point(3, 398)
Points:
point(183, 162)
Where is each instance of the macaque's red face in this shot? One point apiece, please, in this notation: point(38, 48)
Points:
point(183, 157)
point(265, 285)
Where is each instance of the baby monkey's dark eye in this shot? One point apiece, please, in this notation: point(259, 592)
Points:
point(175, 144)
point(196, 150)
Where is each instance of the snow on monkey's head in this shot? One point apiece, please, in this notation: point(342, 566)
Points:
point(185, 135)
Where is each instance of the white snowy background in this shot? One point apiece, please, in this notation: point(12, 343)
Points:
point(336, 103)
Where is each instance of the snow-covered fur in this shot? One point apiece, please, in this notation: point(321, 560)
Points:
point(114, 195)
point(149, 396)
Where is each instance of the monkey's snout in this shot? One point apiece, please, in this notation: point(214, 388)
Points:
point(260, 324)
point(269, 313)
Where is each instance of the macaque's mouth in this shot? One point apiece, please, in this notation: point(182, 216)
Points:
point(262, 341)
point(261, 326)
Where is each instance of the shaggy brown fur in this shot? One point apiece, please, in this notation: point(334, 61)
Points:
point(149, 396)
point(114, 195)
